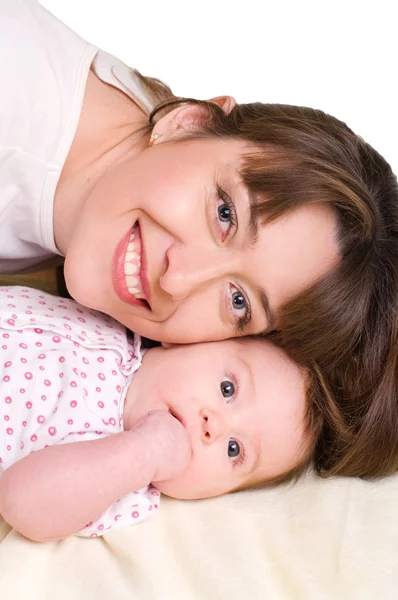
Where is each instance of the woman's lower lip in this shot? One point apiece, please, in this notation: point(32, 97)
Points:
point(119, 277)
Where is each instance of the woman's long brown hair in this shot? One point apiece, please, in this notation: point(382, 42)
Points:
point(344, 326)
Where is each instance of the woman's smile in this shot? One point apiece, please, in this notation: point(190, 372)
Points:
point(129, 273)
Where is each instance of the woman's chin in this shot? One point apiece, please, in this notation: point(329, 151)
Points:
point(81, 288)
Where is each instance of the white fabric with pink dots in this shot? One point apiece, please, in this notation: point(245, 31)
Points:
point(64, 374)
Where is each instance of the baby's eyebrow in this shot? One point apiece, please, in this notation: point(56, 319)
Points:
point(247, 366)
point(251, 390)
point(256, 461)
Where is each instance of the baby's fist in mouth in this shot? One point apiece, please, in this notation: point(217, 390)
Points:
point(168, 443)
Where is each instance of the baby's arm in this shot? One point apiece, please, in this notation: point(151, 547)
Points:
point(57, 490)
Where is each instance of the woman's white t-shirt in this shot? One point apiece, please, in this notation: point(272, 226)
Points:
point(45, 67)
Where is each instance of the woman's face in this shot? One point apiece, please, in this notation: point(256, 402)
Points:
point(166, 244)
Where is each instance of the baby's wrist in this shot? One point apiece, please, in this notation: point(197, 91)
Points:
point(141, 457)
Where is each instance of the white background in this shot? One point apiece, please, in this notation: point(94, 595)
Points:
point(340, 56)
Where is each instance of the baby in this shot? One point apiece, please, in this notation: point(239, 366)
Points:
point(92, 424)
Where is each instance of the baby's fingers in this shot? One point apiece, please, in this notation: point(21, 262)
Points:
point(169, 442)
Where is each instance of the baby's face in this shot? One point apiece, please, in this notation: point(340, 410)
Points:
point(242, 404)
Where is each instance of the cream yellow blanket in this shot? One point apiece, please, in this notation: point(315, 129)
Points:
point(316, 540)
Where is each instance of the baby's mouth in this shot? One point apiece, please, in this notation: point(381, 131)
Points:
point(176, 416)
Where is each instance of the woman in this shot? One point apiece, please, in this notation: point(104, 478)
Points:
point(190, 221)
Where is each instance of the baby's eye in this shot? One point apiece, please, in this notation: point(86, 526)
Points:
point(233, 448)
point(227, 388)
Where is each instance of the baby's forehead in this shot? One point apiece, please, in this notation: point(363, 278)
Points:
point(256, 347)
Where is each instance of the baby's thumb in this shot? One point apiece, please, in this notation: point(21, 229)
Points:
point(175, 450)
point(169, 443)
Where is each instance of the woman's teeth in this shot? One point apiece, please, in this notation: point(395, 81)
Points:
point(132, 265)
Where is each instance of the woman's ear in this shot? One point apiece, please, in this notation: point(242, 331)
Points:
point(227, 103)
point(187, 118)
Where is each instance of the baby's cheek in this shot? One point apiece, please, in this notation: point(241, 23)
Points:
point(205, 477)
point(184, 486)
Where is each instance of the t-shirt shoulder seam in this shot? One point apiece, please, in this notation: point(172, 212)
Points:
point(49, 165)
point(80, 83)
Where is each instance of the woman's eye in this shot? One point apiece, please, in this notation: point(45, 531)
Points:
point(238, 301)
point(240, 307)
point(233, 448)
point(227, 388)
point(226, 215)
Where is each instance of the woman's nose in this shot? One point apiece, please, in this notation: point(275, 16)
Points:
point(190, 268)
point(210, 426)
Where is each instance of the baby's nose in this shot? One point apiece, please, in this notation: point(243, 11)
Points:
point(211, 427)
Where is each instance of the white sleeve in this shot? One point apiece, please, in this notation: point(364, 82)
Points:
point(130, 509)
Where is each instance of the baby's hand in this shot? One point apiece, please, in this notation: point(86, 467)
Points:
point(167, 441)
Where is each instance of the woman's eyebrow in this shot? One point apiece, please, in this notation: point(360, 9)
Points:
point(253, 222)
point(253, 226)
point(267, 309)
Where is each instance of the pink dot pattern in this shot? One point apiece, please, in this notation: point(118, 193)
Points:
point(53, 355)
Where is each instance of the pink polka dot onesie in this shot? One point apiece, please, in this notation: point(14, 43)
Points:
point(64, 373)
